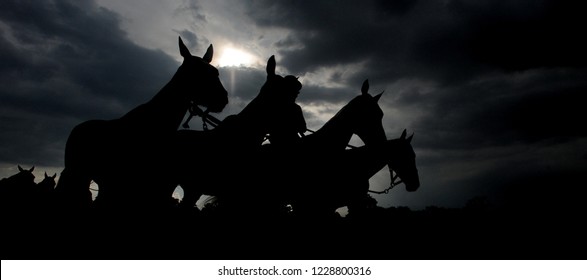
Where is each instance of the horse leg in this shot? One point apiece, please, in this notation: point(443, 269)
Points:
point(359, 201)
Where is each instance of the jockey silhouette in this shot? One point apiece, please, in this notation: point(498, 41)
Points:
point(289, 124)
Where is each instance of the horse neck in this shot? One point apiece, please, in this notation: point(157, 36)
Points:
point(174, 91)
point(253, 110)
point(166, 109)
point(371, 159)
point(254, 116)
point(392, 148)
point(336, 133)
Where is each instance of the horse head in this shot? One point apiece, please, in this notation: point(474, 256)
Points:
point(48, 182)
point(278, 87)
point(403, 162)
point(275, 102)
point(19, 181)
point(25, 175)
point(365, 116)
point(211, 93)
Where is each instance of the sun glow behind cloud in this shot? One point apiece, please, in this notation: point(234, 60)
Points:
point(235, 57)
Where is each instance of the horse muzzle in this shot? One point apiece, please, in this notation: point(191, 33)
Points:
point(412, 183)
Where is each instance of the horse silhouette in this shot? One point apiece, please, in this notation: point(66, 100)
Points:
point(362, 116)
point(17, 189)
point(321, 161)
point(313, 186)
point(47, 185)
point(124, 156)
point(205, 156)
point(342, 179)
point(44, 190)
point(271, 178)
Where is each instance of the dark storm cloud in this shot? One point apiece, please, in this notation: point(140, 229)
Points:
point(64, 62)
point(524, 108)
point(432, 39)
point(458, 46)
point(493, 90)
point(477, 81)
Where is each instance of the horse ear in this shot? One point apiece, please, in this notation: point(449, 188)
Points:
point(32, 168)
point(209, 53)
point(46, 176)
point(410, 138)
point(54, 175)
point(365, 87)
point(271, 64)
point(376, 97)
point(403, 135)
point(20, 168)
point(183, 50)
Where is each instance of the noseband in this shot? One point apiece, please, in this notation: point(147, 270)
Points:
point(395, 180)
point(206, 118)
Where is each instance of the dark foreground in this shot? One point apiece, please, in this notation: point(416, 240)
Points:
point(473, 232)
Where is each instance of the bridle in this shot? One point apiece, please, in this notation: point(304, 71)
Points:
point(395, 179)
point(394, 182)
point(195, 110)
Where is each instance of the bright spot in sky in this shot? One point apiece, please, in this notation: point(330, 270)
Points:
point(235, 57)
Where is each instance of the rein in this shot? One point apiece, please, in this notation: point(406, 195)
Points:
point(393, 183)
point(206, 118)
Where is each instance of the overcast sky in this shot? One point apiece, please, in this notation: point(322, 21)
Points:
point(494, 91)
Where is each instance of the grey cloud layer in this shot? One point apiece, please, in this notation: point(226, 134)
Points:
point(64, 62)
point(475, 80)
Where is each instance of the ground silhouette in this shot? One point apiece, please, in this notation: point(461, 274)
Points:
point(532, 224)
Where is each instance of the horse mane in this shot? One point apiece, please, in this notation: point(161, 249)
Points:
point(346, 109)
point(350, 105)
